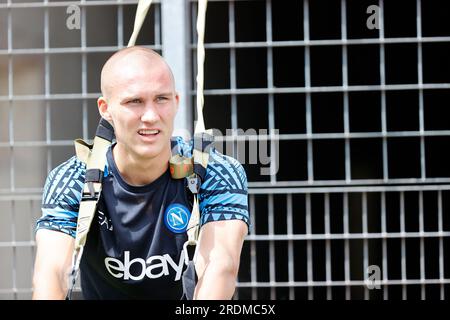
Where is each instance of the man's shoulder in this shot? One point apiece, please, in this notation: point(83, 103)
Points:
point(72, 167)
point(67, 178)
point(223, 171)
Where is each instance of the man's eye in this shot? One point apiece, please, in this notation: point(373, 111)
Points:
point(135, 101)
point(161, 99)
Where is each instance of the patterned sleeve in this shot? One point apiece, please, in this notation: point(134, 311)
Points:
point(61, 197)
point(224, 192)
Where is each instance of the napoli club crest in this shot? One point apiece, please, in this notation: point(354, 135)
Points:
point(177, 217)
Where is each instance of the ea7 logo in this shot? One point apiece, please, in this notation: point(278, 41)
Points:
point(104, 220)
point(154, 267)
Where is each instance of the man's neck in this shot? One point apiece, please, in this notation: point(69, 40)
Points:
point(138, 171)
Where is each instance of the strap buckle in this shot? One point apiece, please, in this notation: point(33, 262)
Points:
point(186, 251)
point(92, 195)
point(193, 183)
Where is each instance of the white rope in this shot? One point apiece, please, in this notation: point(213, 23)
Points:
point(141, 13)
point(201, 18)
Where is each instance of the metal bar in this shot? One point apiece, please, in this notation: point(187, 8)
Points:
point(403, 253)
point(384, 244)
point(48, 132)
point(80, 3)
point(157, 26)
point(422, 247)
point(365, 241)
point(253, 266)
point(175, 38)
point(230, 45)
point(317, 136)
point(343, 189)
point(286, 284)
point(383, 93)
point(271, 225)
point(290, 231)
point(423, 173)
point(28, 192)
point(328, 42)
point(348, 172)
point(12, 244)
point(120, 42)
point(233, 77)
point(32, 225)
point(347, 235)
point(51, 51)
point(14, 249)
point(337, 135)
point(357, 283)
point(309, 253)
point(308, 94)
point(441, 246)
point(301, 237)
point(85, 120)
point(10, 104)
point(313, 89)
point(327, 244)
point(243, 91)
point(270, 84)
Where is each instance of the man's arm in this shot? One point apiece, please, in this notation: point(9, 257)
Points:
point(217, 265)
point(52, 265)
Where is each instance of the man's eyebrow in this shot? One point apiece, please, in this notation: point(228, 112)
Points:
point(164, 94)
point(130, 97)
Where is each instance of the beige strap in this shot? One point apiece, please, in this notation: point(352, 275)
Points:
point(141, 13)
point(194, 223)
point(193, 228)
point(96, 159)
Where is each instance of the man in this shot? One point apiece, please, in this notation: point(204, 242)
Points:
point(134, 246)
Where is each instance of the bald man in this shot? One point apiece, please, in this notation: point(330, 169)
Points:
point(134, 246)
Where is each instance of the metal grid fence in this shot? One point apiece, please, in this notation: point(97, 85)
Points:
point(274, 265)
point(344, 196)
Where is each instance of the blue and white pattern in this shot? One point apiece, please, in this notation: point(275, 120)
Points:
point(223, 193)
point(61, 198)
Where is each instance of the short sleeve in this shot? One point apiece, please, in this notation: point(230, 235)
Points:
point(61, 197)
point(224, 192)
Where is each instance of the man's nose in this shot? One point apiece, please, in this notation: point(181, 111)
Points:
point(150, 114)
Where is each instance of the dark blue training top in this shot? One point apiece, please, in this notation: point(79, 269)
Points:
point(134, 246)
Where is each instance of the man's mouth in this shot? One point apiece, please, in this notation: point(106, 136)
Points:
point(148, 132)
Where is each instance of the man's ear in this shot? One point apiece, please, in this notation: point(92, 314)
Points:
point(103, 108)
point(177, 100)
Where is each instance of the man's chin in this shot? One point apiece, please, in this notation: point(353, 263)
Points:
point(148, 151)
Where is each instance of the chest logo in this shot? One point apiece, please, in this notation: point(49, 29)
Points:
point(177, 217)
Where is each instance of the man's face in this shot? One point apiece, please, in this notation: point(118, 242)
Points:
point(142, 104)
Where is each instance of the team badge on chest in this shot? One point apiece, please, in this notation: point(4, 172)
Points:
point(176, 217)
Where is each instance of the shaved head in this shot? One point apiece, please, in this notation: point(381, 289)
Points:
point(127, 62)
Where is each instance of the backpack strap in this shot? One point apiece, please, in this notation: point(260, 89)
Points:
point(94, 155)
point(202, 144)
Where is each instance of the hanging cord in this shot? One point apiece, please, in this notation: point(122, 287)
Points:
point(141, 13)
point(201, 18)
